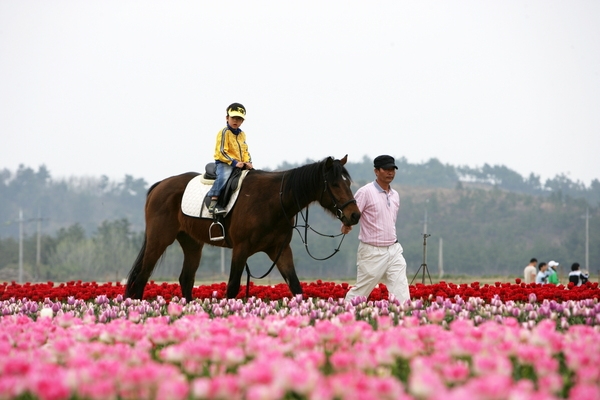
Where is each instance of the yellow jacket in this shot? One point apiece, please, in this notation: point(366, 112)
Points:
point(231, 147)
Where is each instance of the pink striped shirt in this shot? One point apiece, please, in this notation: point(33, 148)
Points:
point(379, 211)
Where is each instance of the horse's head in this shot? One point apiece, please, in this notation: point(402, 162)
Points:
point(337, 196)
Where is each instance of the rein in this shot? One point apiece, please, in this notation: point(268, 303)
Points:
point(249, 274)
point(306, 226)
point(339, 214)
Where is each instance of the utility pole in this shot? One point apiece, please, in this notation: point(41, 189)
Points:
point(38, 255)
point(587, 239)
point(20, 246)
point(441, 259)
point(21, 221)
point(222, 261)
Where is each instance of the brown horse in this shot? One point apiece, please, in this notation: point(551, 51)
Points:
point(261, 220)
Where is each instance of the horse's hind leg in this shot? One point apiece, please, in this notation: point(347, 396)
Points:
point(192, 251)
point(285, 265)
point(154, 246)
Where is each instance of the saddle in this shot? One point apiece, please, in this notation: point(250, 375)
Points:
point(210, 173)
point(195, 199)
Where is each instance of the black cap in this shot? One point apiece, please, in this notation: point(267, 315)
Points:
point(385, 162)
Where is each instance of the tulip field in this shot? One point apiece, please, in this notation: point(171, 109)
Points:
point(84, 340)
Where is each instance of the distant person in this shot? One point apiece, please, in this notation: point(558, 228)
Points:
point(552, 275)
point(231, 151)
point(576, 276)
point(379, 257)
point(530, 271)
point(542, 275)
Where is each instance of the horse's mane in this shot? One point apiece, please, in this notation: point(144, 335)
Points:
point(308, 179)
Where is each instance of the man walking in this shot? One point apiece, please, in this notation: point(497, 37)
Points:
point(379, 257)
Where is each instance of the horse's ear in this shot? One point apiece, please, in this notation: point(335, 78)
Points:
point(344, 160)
point(329, 162)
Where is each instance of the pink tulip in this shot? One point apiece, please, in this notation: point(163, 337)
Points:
point(174, 309)
point(585, 392)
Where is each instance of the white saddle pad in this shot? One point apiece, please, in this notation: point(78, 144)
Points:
point(192, 203)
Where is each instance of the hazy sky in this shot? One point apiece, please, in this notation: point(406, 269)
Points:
point(140, 88)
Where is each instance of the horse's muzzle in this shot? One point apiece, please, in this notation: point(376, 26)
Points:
point(353, 220)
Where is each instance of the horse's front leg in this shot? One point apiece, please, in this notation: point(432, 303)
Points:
point(285, 265)
point(238, 262)
point(192, 251)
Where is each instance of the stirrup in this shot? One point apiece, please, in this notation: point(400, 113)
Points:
point(215, 238)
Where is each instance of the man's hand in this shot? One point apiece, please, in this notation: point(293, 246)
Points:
point(346, 229)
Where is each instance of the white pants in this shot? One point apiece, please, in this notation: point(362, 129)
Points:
point(380, 265)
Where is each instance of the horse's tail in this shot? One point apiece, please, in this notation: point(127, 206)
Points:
point(137, 264)
point(135, 269)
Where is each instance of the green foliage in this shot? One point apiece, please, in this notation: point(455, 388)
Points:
point(401, 369)
point(523, 371)
point(71, 260)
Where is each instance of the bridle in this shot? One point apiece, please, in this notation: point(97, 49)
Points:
point(338, 210)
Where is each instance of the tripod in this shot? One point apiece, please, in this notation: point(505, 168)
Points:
point(424, 265)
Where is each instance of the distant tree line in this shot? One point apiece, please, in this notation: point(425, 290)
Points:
point(491, 221)
point(435, 174)
point(87, 201)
